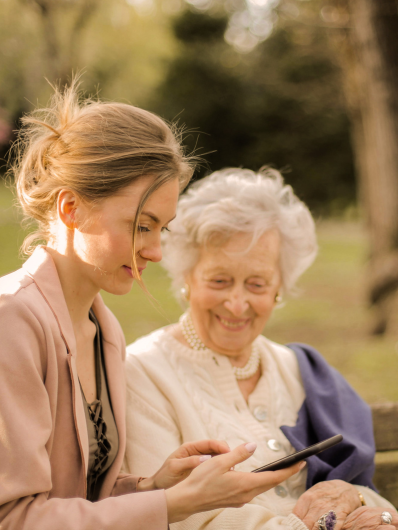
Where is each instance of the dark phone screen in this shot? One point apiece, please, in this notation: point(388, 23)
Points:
point(288, 461)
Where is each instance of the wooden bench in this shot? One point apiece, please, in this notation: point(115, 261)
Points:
point(385, 423)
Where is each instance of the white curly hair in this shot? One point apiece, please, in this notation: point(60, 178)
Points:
point(233, 201)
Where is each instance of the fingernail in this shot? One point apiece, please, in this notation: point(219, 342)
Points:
point(251, 447)
point(302, 465)
point(203, 458)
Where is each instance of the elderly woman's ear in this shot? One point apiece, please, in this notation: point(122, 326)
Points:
point(185, 292)
point(278, 298)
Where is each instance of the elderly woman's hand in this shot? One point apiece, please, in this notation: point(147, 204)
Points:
point(334, 495)
point(365, 518)
point(179, 464)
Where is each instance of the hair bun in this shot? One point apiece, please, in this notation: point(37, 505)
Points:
point(92, 148)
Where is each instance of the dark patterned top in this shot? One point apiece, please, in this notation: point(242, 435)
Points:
point(101, 426)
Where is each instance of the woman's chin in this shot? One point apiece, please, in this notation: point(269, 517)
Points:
point(119, 288)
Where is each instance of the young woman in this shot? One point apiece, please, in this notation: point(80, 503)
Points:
point(102, 181)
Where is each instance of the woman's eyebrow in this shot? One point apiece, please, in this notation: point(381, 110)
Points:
point(154, 218)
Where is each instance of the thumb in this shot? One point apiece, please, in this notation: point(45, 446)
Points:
point(302, 506)
point(283, 474)
point(238, 455)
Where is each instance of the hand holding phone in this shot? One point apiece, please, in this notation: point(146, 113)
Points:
point(288, 461)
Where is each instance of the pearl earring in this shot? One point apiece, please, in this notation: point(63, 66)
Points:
point(185, 292)
point(278, 298)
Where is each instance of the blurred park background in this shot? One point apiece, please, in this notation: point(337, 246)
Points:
point(307, 86)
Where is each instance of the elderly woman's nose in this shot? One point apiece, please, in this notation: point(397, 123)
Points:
point(236, 305)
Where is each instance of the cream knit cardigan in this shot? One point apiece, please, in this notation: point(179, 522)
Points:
point(176, 394)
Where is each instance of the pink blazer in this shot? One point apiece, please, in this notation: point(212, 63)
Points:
point(43, 433)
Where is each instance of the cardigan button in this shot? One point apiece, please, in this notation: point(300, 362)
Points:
point(281, 491)
point(260, 413)
point(274, 445)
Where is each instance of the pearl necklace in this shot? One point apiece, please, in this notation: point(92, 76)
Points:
point(192, 338)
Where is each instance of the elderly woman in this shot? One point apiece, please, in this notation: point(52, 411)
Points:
point(238, 245)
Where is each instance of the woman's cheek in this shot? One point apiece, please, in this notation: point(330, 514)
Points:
point(116, 245)
point(213, 297)
point(264, 306)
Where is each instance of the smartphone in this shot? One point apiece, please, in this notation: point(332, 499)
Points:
point(288, 461)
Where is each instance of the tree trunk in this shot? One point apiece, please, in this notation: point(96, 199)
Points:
point(63, 54)
point(372, 89)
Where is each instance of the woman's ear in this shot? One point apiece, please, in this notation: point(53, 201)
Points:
point(67, 205)
point(185, 291)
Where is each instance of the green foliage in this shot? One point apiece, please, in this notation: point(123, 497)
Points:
point(280, 105)
point(122, 53)
point(195, 28)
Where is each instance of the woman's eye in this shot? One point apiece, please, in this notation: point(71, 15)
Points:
point(143, 228)
point(219, 283)
point(257, 286)
point(165, 229)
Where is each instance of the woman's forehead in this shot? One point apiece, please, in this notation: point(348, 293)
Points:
point(239, 252)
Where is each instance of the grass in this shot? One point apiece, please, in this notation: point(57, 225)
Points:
point(330, 314)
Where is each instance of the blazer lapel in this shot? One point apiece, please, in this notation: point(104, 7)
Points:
point(41, 268)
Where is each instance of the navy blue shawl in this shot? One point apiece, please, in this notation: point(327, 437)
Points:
point(332, 407)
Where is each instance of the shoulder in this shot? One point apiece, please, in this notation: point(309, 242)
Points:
point(22, 328)
point(12, 283)
point(19, 299)
point(319, 376)
point(147, 346)
point(150, 377)
point(18, 289)
point(146, 358)
point(310, 360)
point(282, 354)
point(20, 296)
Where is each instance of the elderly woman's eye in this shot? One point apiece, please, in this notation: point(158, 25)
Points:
point(257, 286)
point(219, 282)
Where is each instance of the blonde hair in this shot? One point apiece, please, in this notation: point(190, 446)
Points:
point(95, 149)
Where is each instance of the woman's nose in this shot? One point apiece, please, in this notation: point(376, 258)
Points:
point(152, 252)
point(236, 304)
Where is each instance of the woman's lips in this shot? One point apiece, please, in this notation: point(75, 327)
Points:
point(130, 272)
point(231, 324)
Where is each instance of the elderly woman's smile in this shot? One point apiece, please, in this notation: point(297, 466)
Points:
point(232, 292)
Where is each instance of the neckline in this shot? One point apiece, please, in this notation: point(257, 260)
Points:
point(186, 351)
point(219, 366)
point(198, 355)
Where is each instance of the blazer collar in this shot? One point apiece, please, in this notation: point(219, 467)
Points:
point(42, 268)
